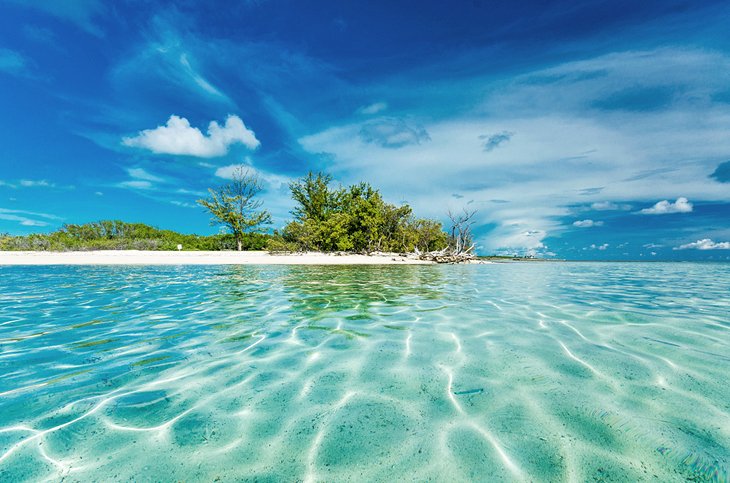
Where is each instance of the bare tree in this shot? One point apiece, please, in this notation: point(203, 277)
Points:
point(233, 205)
point(462, 240)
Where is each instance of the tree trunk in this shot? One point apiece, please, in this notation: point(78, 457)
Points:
point(239, 243)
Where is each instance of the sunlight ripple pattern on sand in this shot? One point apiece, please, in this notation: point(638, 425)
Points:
point(504, 372)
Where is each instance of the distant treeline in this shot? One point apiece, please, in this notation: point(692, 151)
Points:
point(118, 235)
point(352, 218)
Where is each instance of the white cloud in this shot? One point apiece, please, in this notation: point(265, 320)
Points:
point(183, 204)
point(180, 138)
point(22, 217)
point(33, 223)
point(35, 183)
point(141, 174)
point(665, 207)
point(373, 108)
point(599, 247)
point(652, 245)
point(587, 223)
point(705, 244)
point(136, 184)
point(609, 206)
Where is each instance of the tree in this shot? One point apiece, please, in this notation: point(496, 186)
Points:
point(462, 240)
point(234, 206)
point(314, 198)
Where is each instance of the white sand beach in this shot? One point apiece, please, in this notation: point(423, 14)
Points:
point(136, 257)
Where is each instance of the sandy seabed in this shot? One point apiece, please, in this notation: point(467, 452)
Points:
point(137, 257)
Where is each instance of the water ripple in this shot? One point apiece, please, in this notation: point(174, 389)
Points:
point(529, 372)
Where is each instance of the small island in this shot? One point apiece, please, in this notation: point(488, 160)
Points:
point(331, 226)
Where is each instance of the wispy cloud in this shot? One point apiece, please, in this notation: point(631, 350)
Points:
point(178, 137)
point(170, 57)
point(141, 174)
point(26, 218)
point(82, 13)
point(704, 244)
point(610, 206)
point(373, 108)
point(587, 223)
point(666, 207)
point(13, 62)
point(136, 184)
point(36, 183)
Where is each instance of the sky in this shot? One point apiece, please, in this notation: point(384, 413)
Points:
point(580, 130)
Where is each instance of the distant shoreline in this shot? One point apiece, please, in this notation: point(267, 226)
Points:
point(140, 257)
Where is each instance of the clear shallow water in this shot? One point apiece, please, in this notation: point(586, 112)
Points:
point(542, 372)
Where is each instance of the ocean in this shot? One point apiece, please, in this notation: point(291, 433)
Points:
point(564, 371)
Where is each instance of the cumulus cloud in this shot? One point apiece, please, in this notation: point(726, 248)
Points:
point(704, 244)
point(178, 137)
point(665, 207)
point(599, 247)
point(722, 172)
point(492, 141)
point(392, 133)
point(609, 206)
point(587, 223)
point(373, 108)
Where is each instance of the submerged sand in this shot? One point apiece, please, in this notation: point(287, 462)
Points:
point(138, 257)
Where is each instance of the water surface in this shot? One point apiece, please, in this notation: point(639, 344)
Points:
point(541, 372)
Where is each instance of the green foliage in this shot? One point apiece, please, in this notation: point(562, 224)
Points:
point(355, 218)
point(233, 205)
point(118, 235)
point(315, 201)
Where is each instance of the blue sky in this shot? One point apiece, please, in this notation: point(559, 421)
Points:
point(591, 130)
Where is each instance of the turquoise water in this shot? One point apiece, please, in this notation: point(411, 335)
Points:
point(537, 372)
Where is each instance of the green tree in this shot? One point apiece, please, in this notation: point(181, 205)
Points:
point(354, 218)
point(234, 206)
point(315, 201)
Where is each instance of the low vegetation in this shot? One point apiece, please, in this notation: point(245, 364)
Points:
point(118, 235)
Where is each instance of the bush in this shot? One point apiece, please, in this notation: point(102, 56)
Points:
point(118, 235)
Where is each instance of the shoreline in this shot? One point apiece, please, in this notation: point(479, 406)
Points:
point(140, 257)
